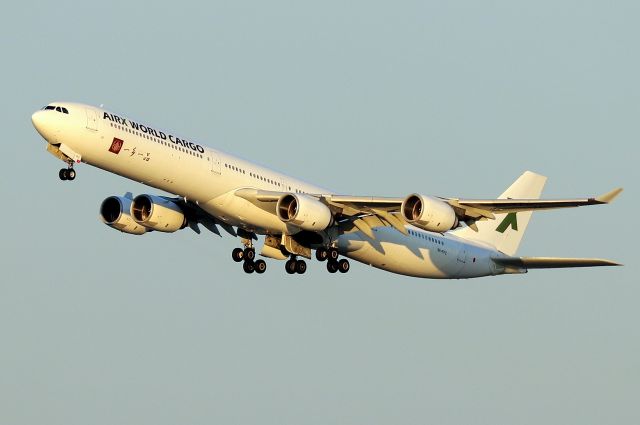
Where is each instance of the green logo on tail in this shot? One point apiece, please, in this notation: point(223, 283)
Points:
point(509, 220)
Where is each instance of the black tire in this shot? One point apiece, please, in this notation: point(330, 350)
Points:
point(301, 266)
point(290, 266)
point(62, 174)
point(332, 266)
point(237, 254)
point(260, 266)
point(249, 254)
point(248, 267)
point(71, 174)
point(343, 266)
point(333, 254)
point(322, 254)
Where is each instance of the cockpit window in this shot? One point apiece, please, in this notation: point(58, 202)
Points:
point(56, 108)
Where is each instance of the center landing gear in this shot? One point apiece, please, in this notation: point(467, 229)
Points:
point(295, 266)
point(331, 257)
point(248, 256)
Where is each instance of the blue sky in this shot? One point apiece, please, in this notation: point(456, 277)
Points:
point(367, 98)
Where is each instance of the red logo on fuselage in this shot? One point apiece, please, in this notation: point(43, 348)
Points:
point(116, 145)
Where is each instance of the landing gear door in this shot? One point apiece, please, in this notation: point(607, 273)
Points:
point(92, 119)
point(214, 161)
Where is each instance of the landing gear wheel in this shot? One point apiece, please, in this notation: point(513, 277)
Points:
point(343, 266)
point(71, 174)
point(63, 174)
point(290, 266)
point(322, 254)
point(248, 267)
point(301, 266)
point(249, 254)
point(332, 266)
point(237, 254)
point(333, 254)
point(260, 266)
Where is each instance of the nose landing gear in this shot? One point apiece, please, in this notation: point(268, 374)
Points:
point(67, 173)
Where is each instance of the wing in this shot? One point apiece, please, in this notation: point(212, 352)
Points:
point(551, 262)
point(387, 209)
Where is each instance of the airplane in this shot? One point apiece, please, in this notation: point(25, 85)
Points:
point(418, 235)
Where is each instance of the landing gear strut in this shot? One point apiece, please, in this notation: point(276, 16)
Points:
point(330, 255)
point(67, 173)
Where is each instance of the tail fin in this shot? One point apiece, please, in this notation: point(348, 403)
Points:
point(506, 230)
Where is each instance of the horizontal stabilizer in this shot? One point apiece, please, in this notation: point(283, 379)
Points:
point(552, 262)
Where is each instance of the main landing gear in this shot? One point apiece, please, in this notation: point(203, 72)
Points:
point(247, 256)
point(67, 173)
point(295, 266)
point(331, 257)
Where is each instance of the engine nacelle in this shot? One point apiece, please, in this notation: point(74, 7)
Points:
point(115, 213)
point(429, 213)
point(157, 213)
point(304, 211)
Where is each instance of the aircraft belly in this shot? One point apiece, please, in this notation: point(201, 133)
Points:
point(240, 212)
point(394, 252)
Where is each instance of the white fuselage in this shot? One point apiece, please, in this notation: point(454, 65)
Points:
point(209, 177)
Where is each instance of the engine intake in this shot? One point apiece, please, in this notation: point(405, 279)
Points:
point(429, 213)
point(304, 211)
point(114, 212)
point(157, 213)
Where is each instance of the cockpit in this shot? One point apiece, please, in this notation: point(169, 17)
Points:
point(56, 108)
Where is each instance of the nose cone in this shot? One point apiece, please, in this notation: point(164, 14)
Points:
point(43, 124)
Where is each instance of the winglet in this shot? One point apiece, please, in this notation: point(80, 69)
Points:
point(609, 196)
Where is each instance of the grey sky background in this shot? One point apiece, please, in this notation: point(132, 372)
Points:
point(446, 98)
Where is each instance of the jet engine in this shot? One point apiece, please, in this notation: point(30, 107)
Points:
point(114, 212)
point(157, 213)
point(428, 213)
point(304, 212)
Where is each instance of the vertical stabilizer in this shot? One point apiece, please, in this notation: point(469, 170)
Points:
point(506, 230)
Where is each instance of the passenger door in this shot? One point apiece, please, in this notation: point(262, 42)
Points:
point(92, 119)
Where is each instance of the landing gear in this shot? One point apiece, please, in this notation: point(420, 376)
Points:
point(322, 254)
point(247, 257)
point(249, 253)
point(67, 173)
point(330, 255)
point(248, 267)
point(260, 266)
point(332, 267)
point(293, 266)
point(343, 265)
point(237, 254)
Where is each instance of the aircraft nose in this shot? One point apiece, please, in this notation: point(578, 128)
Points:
point(38, 121)
point(42, 122)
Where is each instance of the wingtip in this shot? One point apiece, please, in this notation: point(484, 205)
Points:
point(609, 196)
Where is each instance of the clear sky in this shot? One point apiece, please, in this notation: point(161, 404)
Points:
point(369, 98)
